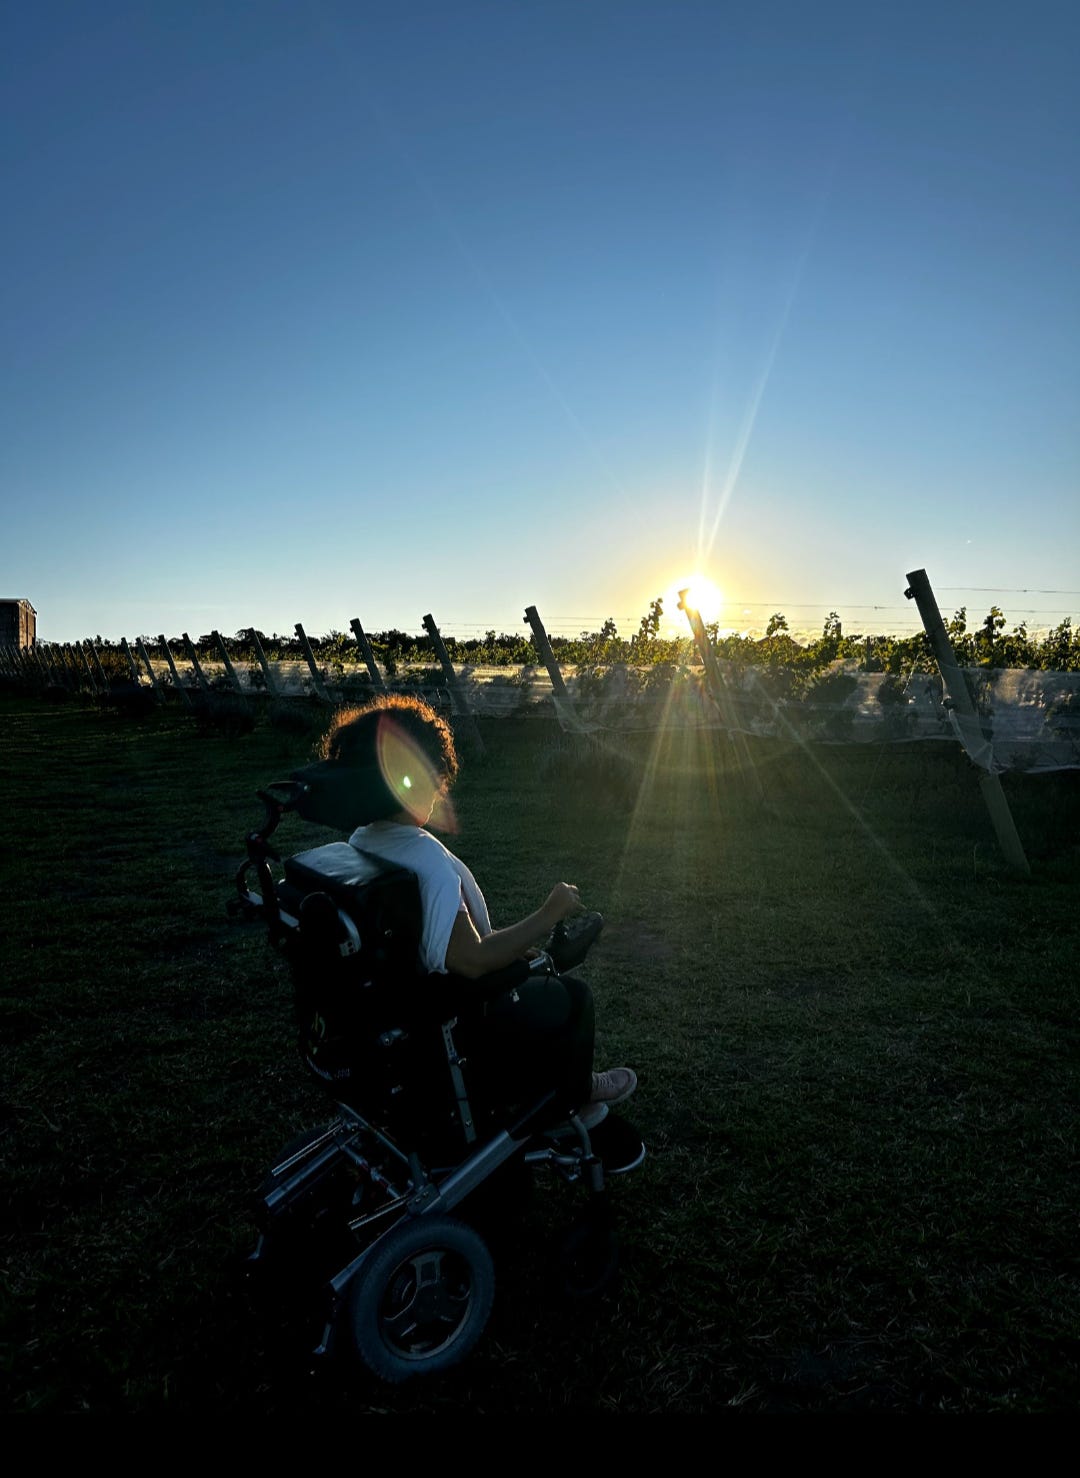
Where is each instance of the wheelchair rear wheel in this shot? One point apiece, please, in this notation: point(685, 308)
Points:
point(423, 1300)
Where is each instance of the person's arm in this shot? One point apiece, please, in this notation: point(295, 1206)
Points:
point(472, 956)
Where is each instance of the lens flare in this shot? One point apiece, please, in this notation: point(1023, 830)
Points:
point(412, 778)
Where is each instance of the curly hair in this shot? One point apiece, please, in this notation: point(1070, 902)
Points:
point(353, 739)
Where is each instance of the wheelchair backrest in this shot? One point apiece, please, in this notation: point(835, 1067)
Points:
point(354, 954)
point(380, 900)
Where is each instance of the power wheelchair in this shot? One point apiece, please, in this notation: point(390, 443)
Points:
point(384, 1212)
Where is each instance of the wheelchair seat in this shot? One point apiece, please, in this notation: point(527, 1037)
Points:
point(382, 1033)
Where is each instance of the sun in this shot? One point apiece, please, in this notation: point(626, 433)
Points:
point(702, 594)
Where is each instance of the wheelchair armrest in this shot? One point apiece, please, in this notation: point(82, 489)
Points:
point(457, 995)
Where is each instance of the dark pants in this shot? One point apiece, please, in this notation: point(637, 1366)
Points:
point(523, 1048)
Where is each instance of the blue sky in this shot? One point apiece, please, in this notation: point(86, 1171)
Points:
point(314, 310)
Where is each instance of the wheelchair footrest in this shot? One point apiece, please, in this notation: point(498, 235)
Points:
point(618, 1144)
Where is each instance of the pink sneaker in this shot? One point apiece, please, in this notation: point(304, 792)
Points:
point(613, 1086)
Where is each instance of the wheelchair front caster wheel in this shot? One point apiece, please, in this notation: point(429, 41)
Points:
point(423, 1300)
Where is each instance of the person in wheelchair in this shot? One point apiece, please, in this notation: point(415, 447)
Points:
point(402, 760)
point(458, 1056)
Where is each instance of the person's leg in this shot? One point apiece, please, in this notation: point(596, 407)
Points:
point(541, 1040)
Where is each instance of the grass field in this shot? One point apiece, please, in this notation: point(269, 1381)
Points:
point(856, 1034)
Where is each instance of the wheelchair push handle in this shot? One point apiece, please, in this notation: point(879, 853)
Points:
point(278, 806)
point(260, 854)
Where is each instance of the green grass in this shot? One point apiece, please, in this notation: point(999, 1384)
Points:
point(855, 1031)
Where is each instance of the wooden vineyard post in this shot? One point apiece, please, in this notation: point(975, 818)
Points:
point(271, 680)
point(135, 675)
point(229, 668)
point(714, 680)
point(316, 675)
point(708, 657)
point(564, 706)
point(193, 658)
point(955, 684)
point(48, 662)
point(102, 679)
point(61, 672)
point(543, 648)
point(458, 701)
point(177, 684)
point(84, 672)
point(86, 663)
point(140, 647)
point(366, 652)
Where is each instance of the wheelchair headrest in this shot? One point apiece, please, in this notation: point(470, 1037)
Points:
point(337, 795)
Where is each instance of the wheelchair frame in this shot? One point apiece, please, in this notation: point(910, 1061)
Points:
point(420, 1283)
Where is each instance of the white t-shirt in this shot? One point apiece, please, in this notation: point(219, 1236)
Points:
point(446, 884)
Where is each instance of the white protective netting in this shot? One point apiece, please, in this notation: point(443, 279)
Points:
point(1027, 719)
